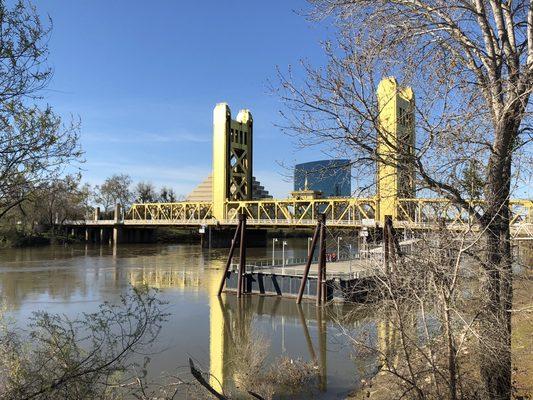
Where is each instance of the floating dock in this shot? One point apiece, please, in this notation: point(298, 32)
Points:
point(347, 280)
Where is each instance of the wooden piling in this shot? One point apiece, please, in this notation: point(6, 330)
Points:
point(320, 289)
point(230, 257)
point(391, 244)
point(322, 349)
point(386, 245)
point(242, 255)
point(321, 217)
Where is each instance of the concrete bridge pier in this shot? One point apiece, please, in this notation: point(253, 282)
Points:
point(117, 234)
point(92, 235)
point(117, 227)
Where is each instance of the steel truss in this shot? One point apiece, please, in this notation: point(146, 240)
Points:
point(193, 213)
point(422, 213)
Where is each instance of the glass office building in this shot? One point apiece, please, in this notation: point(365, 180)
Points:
point(331, 177)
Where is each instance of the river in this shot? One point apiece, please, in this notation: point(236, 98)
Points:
point(77, 278)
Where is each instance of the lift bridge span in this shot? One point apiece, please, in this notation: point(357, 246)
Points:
point(232, 189)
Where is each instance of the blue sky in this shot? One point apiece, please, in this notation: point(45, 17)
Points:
point(144, 77)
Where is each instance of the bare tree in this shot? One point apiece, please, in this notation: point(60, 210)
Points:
point(471, 65)
point(61, 200)
point(167, 195)
point(115, 189)
point(34, 144)
point(47, 206)
point(145, 192)
point(426, 320)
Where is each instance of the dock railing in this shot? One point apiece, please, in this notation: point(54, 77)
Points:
point(293, 266)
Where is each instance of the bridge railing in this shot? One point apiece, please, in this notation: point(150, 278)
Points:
point(425, 212)
point(89, 222)
point(294, 267)
point(339, 211)
point(178, 211)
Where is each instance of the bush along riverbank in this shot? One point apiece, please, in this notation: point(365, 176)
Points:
point(19, 238)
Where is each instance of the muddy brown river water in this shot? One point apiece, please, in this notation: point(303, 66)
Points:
point(77, 278)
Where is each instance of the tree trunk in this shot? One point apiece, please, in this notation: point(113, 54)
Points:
point(495, 333)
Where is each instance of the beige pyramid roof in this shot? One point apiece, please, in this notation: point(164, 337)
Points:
point(203, 192)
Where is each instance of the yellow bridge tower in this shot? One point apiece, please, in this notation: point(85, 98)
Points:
point(395, 143)
point(232, 158)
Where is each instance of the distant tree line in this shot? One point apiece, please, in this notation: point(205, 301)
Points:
point(47, 206)
point(119, 189)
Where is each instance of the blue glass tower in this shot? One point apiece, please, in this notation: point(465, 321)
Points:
point(331, 177)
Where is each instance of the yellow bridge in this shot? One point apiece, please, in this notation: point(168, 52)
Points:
point(340, 212)
point(232, 189)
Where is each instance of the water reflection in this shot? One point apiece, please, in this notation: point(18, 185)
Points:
point(232, 332)
point(215, 331)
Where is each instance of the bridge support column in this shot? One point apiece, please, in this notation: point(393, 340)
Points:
point(103, 236)
point(117, 227)
point(117, 234)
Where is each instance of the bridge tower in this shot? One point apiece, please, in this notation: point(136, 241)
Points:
point(232, 158)
point(395, 143)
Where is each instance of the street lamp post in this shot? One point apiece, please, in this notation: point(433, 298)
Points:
point(309, 240)
point(339, 247)
point(283, 253)
point(274, 240)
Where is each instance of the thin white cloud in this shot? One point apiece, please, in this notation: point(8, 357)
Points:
point(134, 137)
point(186, 173)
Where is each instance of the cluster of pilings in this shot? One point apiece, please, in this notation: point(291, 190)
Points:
point(319, 237)
point(112, 234)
